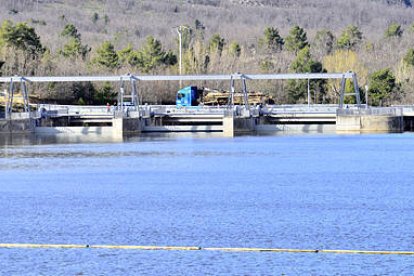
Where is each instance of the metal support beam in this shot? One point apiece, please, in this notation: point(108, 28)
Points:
point(309, 95)
point(231, 103)
point(23, 88)
point(10, 98)
point(120, 102)
point(342, 92)
point(135, 97)
point(348, 75)
point(356, 90)
point(245, 95)
point(134, 100)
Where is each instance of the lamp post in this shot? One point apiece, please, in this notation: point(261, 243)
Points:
point(180, 35)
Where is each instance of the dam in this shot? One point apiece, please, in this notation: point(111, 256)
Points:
point(230, 119)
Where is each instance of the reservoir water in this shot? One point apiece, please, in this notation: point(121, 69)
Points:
point(306, 192)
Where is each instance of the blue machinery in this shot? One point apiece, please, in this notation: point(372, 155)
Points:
point(187, 96)
point(187, 92)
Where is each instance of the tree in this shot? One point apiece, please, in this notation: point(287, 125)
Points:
point(153, 55)
point(272, 40)
point(186, 38)
point(304, 63)
point(70, 31)
point(393, 30)
point(216, 44)
point(350, 38)
point(95, 17)
point(409, 57)
point(297, 89)
point(324, 41)
point(1, 65)
point(23, 47)
point(106, 56)
point(197, 59)
point(73, 47)
point(199, 30)
point(170, 58)
point(83, 93)
point(130, 57)
point(382, 86)
point(105, 94)
point(343, 61)
point(235, 49)
point(296, 40)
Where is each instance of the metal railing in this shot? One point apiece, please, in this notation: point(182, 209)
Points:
point(371, 111)
point(299, 109)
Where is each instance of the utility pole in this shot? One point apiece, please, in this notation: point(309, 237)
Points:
point(180, 35)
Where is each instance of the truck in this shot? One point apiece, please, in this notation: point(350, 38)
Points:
point(192, 96)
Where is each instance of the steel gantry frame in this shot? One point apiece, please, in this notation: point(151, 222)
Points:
point(134, 79)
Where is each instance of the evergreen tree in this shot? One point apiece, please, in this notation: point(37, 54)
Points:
point(297, 89)
point(106, 94)
point(216, 44)
point(153, 55)
point(22, 48)
point(73, 47)
point(21, 37)
point(382, 86)
point(106, 56)
point(70, 31)
point(272, 40)
point(170, 58)
point(350, 38)
point(296, 40)
point(235, 49)
point(393, 30)
point(128, 56)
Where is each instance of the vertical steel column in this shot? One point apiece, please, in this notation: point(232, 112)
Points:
point(308, 94)
point(23, 87)
point(9, 104)
point(342, 92)
point(245, 95)
point(232, 91)
point(133, 92)
point(120, 106)
point(135, 97)
point(356, 90)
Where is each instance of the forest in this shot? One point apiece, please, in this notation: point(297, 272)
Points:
point(99, 37)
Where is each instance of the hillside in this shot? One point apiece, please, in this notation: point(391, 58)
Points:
point(226, 36)
point(241, 20)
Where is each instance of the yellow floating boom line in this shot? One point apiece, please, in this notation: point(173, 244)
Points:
point(197, 248)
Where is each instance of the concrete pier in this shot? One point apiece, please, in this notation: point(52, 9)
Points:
point(383, 120)
point(121, 126)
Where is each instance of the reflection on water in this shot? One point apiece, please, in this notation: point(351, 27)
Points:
point(312, 192)
point(17, 139)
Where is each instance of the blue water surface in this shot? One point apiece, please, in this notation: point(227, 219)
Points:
point(305, 192)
